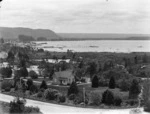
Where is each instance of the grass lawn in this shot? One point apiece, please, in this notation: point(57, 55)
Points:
point(116, 91)
point(47, 80)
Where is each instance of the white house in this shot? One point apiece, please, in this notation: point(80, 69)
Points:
point(63, 77)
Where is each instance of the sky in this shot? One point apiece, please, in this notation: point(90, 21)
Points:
point(78, 16)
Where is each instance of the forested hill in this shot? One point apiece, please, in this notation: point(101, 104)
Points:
point(13, 33)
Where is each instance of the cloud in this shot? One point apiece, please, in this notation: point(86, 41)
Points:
point(77, 15)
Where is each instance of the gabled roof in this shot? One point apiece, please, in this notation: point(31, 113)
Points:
point(64, 74)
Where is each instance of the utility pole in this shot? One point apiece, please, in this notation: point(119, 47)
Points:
point(84, 96)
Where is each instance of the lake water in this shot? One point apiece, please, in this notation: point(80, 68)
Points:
point(97, 46)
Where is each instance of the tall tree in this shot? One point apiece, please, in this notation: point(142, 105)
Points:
point(24, 72)
point(112, 83)
point(135, 59)
point(73, 89)
point(95, 82)
point(134, 89)
point(92, 68)
point(43, 85)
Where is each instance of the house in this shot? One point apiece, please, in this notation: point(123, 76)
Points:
point(63, 77)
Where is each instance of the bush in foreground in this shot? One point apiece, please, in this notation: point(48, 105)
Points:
point(108, 97)
point(134, 89)
point(51, 94)
point(73, 89)
point(117, 101)
point(72, 96)
point(95, 98)
point(61, 98)
point(147, 106)
point(31, 110)
point(17, 106)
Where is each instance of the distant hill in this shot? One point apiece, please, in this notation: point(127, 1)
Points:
point(103, 36)
point(13, 33)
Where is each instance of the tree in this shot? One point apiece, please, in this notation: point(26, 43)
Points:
point(25, 38)
point(134, 89)
point(29, 83)
point(73, 89)
point(17, 106)
point(124, 85)
point(146, 91)
point(16, 77)
point(6, 72)
point(2, 40)
point(108, 97)
point(33, 74)
point(145, 58)
point(24, 72)
point(10, 57)
point(112, 83)
point(135, 60)
point(43, 85)
point(92, 69)
point(95, 82)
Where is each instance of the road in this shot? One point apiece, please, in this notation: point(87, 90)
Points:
point(48, 108)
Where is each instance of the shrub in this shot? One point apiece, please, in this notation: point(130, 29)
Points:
point(62, 98)
point(73, 89)
point(117, 101)
point(132, 102)
point(6, 72)
point(33, 89)
point(108, 97)
point(33, 74)
point(29, 83)
point(112, 83)
point(17, 106)
point(40, 94)
point(124, 85)
point(43, 85)
point(134, 89)
point(103, 82)
point(50, 94)
point(147, 106)
point(95, 82)
point(31, 109)
point(72, 96)
point(80, 99)
point(95, 98)
point(6, 85)
point(7, 89)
